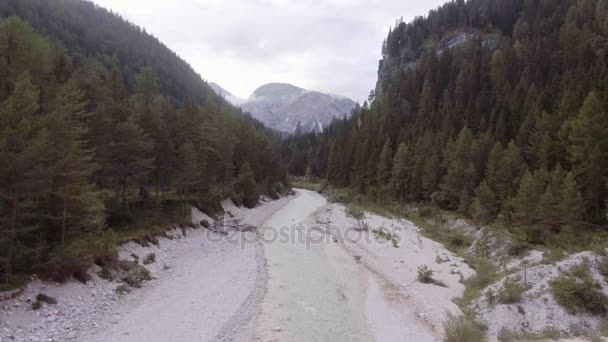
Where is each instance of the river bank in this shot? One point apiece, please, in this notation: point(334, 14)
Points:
point(301, 275)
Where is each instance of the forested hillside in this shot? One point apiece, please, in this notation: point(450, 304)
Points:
point(495, 109)
point(87, 30)
point(105, 132)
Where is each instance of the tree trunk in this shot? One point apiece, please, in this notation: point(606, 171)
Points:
point(64, 219)
point(13, 233)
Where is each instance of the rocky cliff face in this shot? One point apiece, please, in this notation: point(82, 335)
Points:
point(282, 106)
point(393, 64)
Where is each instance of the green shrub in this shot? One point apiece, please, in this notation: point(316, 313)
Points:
point(135, 274)
point(426, 211)
point(425, 274)
point(604, 327)
point(150, 259)
point(548, 334)
point(37, 305)
point(510, 293)
point(41, 297)
point(355, 212)
point(603, 268)
point(484, 276)
point(105, 273)
point(463, 329)
point(122, 290)
point(518, 248)
point(579, 292)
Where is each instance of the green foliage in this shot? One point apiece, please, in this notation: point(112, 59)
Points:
point(355, 212)
point(604, 327)
point(484, 207)
point(425, 274)
point(463, 329)
point(91, 137)
point(149, 259)
point(511, 292)
point(36, 305)
point(122, 289)
point(577, 291)
point(473, 130)
point(41, 297)
point(603, 268)
point(486, 274)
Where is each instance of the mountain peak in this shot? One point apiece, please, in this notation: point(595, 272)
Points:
point(276, 89)
point(282, 105)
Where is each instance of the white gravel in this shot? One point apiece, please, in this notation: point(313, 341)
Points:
point(204, 288)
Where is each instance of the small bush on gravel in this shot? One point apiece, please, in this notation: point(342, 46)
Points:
point(604, 327)
point(577, 291)
point(510, 293)
point(603, 268)
point(122, 289)
point(37, 305)
point(105, 273)
point(463, 329)
point(425, 274)
point(135, 274)
point(355, 212)
point(150, 259)
point(41, 297)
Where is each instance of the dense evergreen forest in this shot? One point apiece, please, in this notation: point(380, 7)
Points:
point(101, 126)
point(496, 109)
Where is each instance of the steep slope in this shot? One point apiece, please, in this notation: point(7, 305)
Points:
point(87, 31)
point(484, 107)
point(87, 158)
point(284, 106)
point(225, 94)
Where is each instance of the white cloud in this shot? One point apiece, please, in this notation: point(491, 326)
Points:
point(331, 45)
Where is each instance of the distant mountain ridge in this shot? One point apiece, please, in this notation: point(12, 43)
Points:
point(282, 106)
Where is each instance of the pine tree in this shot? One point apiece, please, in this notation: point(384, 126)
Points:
point(571, 204)
point(587, 136)
point(128, 162)
point(484, 207)
point(525, 202)
point(79, 206)
point(401, 172)
point(506, 177)
point(385, 164)
point(248, 186)
point(458, 183)
point(23, 144)
point(188, 173)
point(548, 210)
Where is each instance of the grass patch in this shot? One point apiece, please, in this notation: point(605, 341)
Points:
point(463, 329)
point(122, 289)
point(37, 305)
point(307, 184)
point(150, 259)
point(41, 297)
point(425, 276)
point(577, 291)
point(508, 335)
point(105, 273)
point(381, 234)
point(486, 275)
point(604, 327)
point(511, 292)
point(603, 268)
point(135, 273)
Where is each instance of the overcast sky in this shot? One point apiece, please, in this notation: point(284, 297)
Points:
point(327, 45)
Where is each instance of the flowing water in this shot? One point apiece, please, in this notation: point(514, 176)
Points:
point(314, 290)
